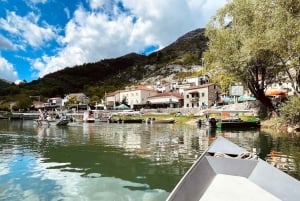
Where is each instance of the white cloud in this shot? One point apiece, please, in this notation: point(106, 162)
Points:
point(95, 4)
point(67, 11)
point(93, 35)
point(7, 70)
point(27, 29)
point(5, 44)
point(37, 1)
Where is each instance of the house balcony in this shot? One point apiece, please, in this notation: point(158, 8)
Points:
point(195, 99)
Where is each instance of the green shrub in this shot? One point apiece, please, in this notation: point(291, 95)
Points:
point(290, 110)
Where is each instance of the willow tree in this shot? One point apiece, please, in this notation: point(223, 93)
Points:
point(257, 41)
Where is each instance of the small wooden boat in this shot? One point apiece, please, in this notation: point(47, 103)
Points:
point(125, 121)
point(160, 121)
point(132, 121)
point(230, 119)
point(228, 172)
point(237, 123)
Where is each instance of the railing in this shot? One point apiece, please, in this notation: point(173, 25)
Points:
point(195, 99)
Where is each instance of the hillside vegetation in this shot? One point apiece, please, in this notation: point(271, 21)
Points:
point(94, 79)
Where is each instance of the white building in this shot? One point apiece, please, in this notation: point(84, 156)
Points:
point(197, 80)
point(56, 102)
point(136, 95)
point(112, 98)
point(169, 99)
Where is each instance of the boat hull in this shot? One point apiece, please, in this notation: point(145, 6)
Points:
point(241, 125)
point(126, 121)
point(90, 120)
point(160, 121)
point(245, 178)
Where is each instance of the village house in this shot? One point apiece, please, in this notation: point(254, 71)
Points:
point(192, 92)
point(163, 100)
point(136, 96)
point(163, 87)
point(81, 101)
point(196, 80)
point(201, 96)
point(53, 103)
point(181, 86)
point(112, 98)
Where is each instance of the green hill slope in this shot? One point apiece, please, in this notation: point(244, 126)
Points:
point(112, 74)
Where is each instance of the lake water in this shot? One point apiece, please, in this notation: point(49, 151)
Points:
point(115, 162)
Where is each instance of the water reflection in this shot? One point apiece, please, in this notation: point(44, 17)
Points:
point(114, 161)
point(282, 151)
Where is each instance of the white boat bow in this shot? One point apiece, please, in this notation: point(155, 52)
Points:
point(228, 177)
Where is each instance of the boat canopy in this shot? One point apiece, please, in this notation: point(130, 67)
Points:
point(276, 92)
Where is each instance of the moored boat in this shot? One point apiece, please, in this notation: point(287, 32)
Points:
point(89, 117)
point(228, 172)
point(126, 121)
point(237, 123)
point(46, 119)
point(160, 121)
point(56, 122)
point(232, 119)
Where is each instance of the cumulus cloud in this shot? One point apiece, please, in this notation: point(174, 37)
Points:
point(109, 29)
point(27, 29)
point(95, 4)
point(5, 44)
point(7, 70)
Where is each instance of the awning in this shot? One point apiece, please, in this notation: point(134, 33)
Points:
point(276, 92)
point(227, 99)
point(122, 107)
point(246, 98)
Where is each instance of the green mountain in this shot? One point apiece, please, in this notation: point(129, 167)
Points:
point(112, 74)
point(4, 83)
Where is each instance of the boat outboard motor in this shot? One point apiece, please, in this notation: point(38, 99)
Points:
point(213, 122)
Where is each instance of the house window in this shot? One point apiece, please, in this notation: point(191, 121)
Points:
point(187, 96)
point(202, 94)
point(187, 105)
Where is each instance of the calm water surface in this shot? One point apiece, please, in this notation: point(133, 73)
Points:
point(115, 162)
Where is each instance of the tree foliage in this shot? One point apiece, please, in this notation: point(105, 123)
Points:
point(23, 101)
point(290, 110)
point(257, 41)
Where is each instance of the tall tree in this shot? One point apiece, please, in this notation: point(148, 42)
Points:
point(257, 41)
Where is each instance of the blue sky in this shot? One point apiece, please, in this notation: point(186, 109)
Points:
point(38, 37)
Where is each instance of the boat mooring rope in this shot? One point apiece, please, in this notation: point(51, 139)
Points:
point(243, 155)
